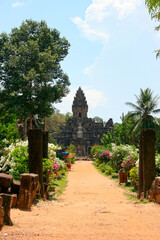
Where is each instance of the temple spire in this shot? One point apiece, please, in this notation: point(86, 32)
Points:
point(79, 107)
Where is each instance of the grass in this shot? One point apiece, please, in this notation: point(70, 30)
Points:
point(60, 185)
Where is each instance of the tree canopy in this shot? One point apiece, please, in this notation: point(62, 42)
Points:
point(146, 106)
point(31, 77)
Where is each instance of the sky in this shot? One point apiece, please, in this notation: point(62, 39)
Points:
point(112, 54)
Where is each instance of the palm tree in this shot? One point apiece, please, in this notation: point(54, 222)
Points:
point(146, 105)
point(146, 123)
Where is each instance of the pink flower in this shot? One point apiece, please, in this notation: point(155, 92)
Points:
point(122, 165)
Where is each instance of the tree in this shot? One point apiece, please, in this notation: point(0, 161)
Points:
point(146, 105)
point(54, 124)
point(154, 10)
point(153, 6)
point(8, 128)
point(30, 73)
point(146, 123)
point(98, 119)
point(120, 133)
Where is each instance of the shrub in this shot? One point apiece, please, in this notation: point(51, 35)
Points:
point(104, 156)
point(157, 161)
point(134, 176)
point(129, 162)
point(96, 150)
point(109, 170)
point(102, 167)
point(118, 153)
point(15, 159)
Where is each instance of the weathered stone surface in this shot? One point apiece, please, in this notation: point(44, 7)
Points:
point(14, 200)
point(29, 185)
point(1, 201)
point(80, 130)
point(1, 216)
point(1, 212)
point(15, 187)
point(154, 192)
point(147, 171)
point(45, 189)
point(35, 148)
point(5, 181)
point(7, 203)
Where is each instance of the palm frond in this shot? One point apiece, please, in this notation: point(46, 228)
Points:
point(137, 108)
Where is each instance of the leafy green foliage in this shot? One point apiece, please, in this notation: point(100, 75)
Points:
point(146, 105)
point(15, 159)
point(120, 134)
point(133, 173)
point(118, 153)
point(30, 71)
point(97, 150)
point(8, 128)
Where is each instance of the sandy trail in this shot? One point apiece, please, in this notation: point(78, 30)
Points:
point(92, 207)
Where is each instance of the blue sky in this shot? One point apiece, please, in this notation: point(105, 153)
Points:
point(112, 48)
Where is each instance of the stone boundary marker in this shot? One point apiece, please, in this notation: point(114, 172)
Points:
point(16, 194)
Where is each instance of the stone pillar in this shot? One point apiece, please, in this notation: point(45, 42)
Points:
point(35, 142)
point(45, 144)
point(147, 160)
point(28, 188)
point(140, 177)
point(45, 155)
point(1, 212)
point(7, 204)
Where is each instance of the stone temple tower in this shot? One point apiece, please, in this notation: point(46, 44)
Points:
point(80, 107)
point(81, 131)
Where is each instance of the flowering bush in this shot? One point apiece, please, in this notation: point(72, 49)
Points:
point(96, 151)
point(118, 153)
point(129, 162)
point(15, 160)
point(104, 156)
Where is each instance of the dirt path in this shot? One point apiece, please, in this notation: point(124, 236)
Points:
point(92, 207)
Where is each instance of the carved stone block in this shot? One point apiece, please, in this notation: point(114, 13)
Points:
point(7, 203)
point(1, 212)
point(5, 182)
point(15, 187)
point(29, 185)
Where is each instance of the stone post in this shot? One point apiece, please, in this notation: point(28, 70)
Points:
point(35, 142)
point(146, 160)
point(28, 189)
point(7, 204)
point(45, 153)
point(1, 212)
point(45, 144)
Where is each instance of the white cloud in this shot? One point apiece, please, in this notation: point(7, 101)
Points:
point(126, 7)
point(101, 16)
point(90, 32)
point(98, 12)
point(94, 99)
point(18, 4)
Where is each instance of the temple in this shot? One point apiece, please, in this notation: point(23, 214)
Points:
point(81, 131)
